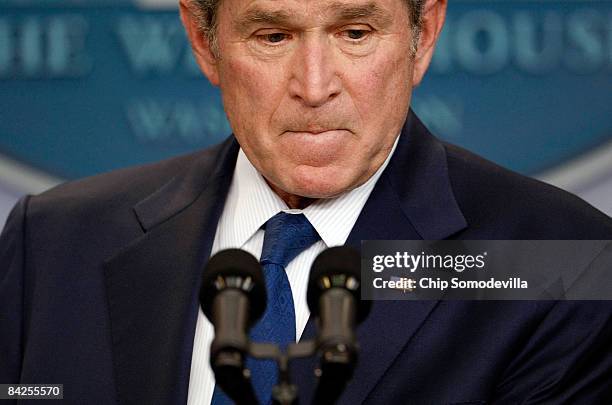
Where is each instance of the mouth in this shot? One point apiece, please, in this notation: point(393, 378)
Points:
point(320, 141)
point(317, 131)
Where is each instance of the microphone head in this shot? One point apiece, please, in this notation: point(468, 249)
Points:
point(236, 269)
point(337, 267)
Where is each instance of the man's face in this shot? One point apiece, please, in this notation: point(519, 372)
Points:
point(316, 91)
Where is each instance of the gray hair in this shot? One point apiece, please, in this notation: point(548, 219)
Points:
point(206, 13)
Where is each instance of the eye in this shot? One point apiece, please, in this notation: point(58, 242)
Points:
point(355, 34)
point(273, 37)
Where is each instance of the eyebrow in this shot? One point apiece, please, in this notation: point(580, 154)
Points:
point(257, 15)
point(340, 11)
point(370, 10)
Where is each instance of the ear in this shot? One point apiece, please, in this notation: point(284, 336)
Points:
point(434, 14)
point(199, 42)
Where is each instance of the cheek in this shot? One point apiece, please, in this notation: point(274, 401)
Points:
point(383, 87)
point(248, 91)
point(390, 79)
point(250, 94)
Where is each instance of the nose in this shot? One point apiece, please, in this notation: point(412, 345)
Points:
point(314, 80)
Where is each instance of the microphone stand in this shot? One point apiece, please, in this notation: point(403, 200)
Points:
point(284, 392)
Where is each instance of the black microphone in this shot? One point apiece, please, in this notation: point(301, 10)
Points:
point(334, 298)
point(233, 298)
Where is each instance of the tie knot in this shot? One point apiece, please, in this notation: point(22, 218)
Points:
point(286, 236)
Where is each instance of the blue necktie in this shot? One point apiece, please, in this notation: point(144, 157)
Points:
point(286, 236)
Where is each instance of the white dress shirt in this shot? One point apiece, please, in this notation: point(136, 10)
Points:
point(250, 203)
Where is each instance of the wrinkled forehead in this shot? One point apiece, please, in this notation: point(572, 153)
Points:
point(243, 13)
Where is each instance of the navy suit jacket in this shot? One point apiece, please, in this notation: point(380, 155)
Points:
point(99, 281)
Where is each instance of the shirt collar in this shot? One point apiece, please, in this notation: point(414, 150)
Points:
point(251, 202)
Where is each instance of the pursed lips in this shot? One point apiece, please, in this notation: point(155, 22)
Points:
point(316, 131)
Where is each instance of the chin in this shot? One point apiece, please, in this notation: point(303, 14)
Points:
point(318, 188)
point(317, 193)
point(315, 182)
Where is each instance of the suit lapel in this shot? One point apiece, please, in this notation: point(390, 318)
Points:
point(413, 199)
point(152, 284)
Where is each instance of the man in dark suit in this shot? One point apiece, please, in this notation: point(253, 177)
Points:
point(99, 278)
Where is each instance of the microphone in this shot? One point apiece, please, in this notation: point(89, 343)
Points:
point(233, 298)
point(334, 298)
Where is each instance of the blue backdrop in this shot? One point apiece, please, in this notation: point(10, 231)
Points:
point(89, 86)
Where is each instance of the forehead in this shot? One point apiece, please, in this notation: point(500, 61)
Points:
point(248, 11)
